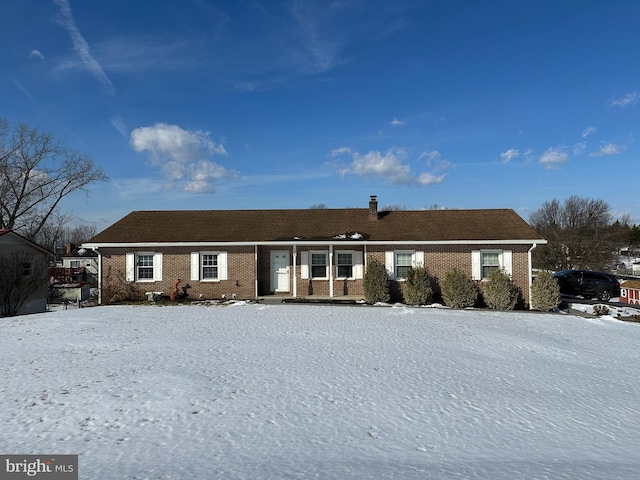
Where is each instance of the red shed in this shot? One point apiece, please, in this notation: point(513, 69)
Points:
point(630, 292)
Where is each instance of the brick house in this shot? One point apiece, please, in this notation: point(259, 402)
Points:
point(248, 254)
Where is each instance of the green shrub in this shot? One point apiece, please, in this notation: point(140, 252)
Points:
point(458, 290)
point(499, 291)
point(376, 288)
point(545, 293)
point(417, 289)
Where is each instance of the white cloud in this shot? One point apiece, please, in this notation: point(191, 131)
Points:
point(119, 125)
point(397, 123)
point(588, 131)
point(579, 148)
point(320, 51)
point(629, 99)
point(609, 149)
point(36, 53)
point(390, 167)
point(182, 155)
point(553, 158)
point(509, 155)
point(81, 46)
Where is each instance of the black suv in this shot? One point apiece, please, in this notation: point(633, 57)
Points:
point(588, 284)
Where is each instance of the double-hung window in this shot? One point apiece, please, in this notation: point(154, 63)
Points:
point(490, 263)
point(209, 266)
point(403, 263)
point(344, 264)
point(26, 269)
point(483, 262)
point(144, 266)
point(319, 265)
point(398, 262)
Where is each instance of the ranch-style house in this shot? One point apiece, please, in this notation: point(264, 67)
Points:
point(306, 253)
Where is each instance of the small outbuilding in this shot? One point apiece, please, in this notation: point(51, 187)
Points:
point(630, 292)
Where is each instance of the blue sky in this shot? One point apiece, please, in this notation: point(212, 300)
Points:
point(286, 104)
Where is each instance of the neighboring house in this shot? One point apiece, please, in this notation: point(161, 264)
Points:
point(630, 292)
point(81, 264)
point(305, 253)
point(23, 275)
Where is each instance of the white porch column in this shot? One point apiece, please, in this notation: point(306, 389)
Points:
point(295, 275)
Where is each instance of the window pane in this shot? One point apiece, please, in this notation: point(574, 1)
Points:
point(318, 259)
point(490, 263)
point(491, 259)
point(318, 265)
point(209, 266)
point(403, 264)
point(345, 259)
point(26, 269)
point(145, 267)
point(345, 265)
point(403, 259)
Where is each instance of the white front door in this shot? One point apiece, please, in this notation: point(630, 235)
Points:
point(280, 271)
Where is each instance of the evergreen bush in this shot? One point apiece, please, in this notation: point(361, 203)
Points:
point(376, 288)
point(545, 292)
point(417, 289)
point(458, 290)
point(499, 291)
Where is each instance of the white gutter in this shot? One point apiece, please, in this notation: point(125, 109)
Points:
point(255, 269)
point(93, 246)
point(331, 271)
point(99, 273)
point(531, 269)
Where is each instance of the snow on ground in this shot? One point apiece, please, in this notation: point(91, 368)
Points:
point(325, 392)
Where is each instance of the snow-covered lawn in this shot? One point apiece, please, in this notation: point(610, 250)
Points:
point(324, 392)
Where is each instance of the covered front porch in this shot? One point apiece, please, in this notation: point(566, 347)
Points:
point(310, 272)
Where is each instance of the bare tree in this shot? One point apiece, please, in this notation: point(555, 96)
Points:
point(36, 172)
point(579, 234)
point(393, 208)
point(21, 274)
point(81, 233)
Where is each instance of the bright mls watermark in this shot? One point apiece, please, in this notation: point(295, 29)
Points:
point(49, 467)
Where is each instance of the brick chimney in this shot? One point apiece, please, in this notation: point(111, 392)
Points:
point(373, 208)
point(69, 248)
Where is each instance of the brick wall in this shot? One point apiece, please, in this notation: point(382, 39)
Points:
point(176, 264)
point(439, 259)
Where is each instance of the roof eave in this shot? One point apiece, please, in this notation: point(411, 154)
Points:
point(96, 245)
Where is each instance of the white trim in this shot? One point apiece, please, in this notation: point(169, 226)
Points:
point(195, 266)
point(354, 259)
point(273, 274)
point(358, 264)
point(304, 265)
point(294, 253)
point(327, 269)
point(312, 243)
point(505, 262)
point(157, 266)
point(130, 267)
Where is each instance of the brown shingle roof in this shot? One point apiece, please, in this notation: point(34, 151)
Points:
point(315, 224)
